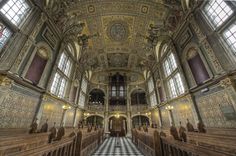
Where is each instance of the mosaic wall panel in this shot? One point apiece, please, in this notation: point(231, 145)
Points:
point(165, 118)
point(210, 107)
point(183, 110)
point(69, 117)
point(16, 109)
point(155, 117)
point(51, 110)
point(79, 116)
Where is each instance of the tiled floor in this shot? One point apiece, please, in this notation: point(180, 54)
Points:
point(121, 147)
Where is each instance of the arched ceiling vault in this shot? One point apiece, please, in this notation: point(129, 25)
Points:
point(122, 27)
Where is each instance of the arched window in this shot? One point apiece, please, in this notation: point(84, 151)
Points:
point(172, 76)
point(83, 91)
point(96, 97)
point(197, 66)
point(151, 91)
point(62, 75)
point(117, 90)
point(164, 49)
point(38, 64)
point(15, 12)
point(138, 97)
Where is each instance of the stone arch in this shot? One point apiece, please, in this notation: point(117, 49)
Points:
point(137, 96)
point(190, 51)
point(44, 51)
point(97, 95)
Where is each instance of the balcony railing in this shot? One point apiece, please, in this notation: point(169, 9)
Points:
point(95, 108)
point(139, 108)
point(119, 108)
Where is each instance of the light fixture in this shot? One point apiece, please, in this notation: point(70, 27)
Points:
point(117, 115)
point(65, 107)
point(169, 107)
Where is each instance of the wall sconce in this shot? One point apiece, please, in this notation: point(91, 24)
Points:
point(117, 115)
point(86, 114)
point(65, 107)
point(169, 107)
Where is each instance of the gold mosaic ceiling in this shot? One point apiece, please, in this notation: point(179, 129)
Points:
point(120, 25)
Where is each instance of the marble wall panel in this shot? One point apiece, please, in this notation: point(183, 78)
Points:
point(69, 118)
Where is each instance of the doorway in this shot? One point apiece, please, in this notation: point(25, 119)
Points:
point(118, 126)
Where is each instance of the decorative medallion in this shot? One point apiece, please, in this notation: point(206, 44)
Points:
point(118, 31)
point(144, 9)
point(91, 9)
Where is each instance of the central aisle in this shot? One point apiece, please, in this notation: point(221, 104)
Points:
point(124, 147)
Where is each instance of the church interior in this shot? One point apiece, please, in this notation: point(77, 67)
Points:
point(117, 77)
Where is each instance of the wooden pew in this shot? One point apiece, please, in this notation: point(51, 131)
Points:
point(147, 142)
point(12, 144)
point(37, 144)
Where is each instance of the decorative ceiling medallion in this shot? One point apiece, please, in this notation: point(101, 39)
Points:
point(91, 9)
point(118, 31)
point(144, 9)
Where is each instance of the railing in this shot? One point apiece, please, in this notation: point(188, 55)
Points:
point(117, 108)
point(139, 108)
point(95, 108)
point(77, 143)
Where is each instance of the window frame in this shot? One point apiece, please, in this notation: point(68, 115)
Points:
point(209, 20)
point(221, 29)
point(10, 25)
point(172, 76)
point(63, 75)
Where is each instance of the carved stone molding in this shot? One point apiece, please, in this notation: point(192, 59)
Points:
point(226, 82)
point(5, 81)
point(209, 51)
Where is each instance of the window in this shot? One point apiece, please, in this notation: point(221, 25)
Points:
point(65, 64)
point(15, 10)
point(5, 34)
point(217, 12)
point(152, 94)
point(174, 81)
point(169, 65)
point(175, 85)
point(83, 91)
point(62, 76)
point(229, 36)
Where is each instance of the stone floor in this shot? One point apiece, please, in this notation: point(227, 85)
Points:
point(121, 146)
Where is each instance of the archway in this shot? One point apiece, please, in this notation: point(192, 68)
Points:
point(95, 120)
point(140, 120)
point(118, 126)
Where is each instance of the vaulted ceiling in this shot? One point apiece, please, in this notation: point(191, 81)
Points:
point(122, 27)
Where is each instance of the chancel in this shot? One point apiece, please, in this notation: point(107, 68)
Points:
point(117, 77)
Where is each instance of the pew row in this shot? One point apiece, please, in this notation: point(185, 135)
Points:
point(153, 143)
point(74, 143)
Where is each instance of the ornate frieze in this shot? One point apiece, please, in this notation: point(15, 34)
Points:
point(5, 81)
